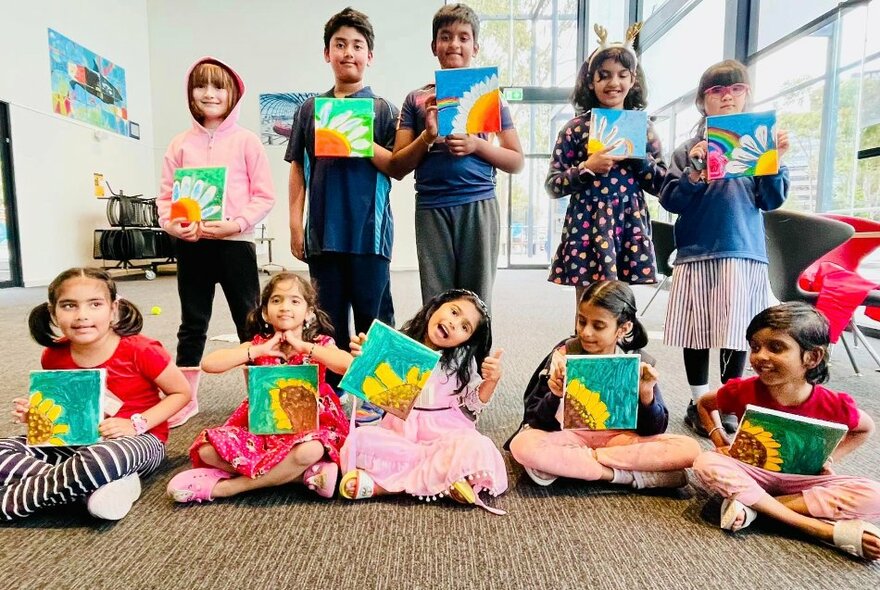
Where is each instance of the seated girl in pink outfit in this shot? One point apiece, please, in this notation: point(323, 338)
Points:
point(644, 458)
point(789, 351)
point(228, 459)
point(437, 450)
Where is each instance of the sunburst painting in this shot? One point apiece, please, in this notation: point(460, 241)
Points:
point(391, 371)
point(468, 101)
point(784, 442)
point(626, 132)
point(198, 193)
point(601, 392)
point(65, 407)
point(282, 399)
point(344, 127)
point(743, 144)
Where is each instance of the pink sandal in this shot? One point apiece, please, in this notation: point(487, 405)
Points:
point(195, 485)
point(321, 478)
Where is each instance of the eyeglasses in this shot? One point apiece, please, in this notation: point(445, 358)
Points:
point(735, 89)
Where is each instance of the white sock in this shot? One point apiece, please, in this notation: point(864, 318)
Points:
point(622, 476)
point(698, 390)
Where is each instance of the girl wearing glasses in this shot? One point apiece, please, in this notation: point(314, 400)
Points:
point(719, 281)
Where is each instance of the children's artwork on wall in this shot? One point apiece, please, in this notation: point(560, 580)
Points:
point(198, 193)
point(743, 144)
point(626, 130)
point(65, 407)
point(86, 86)
point(277, 111)
point(344, 127)
point(282, 399)
point(391, 371)
point(601, 392)
point(468, 100)
point(783, 442)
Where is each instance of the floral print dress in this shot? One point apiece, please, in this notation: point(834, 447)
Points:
point(607, 231)
point(254, 455)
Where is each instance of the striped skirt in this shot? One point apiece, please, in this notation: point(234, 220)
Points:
point(711, 302)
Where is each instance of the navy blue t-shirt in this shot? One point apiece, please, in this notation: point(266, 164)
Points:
point(349, 210)
point(444, 180)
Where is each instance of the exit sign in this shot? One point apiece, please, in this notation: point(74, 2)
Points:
point(513, 94)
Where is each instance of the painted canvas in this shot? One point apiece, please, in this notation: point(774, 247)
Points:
point(626, 130)
point(743, 144)
point(468, 100)
point(344, 127)
point(282, 399)
point(198, 193)
point(65, 407)
point(601, 392)
point(783, 442)
point(86, 86)
point(277, 111)
point(392, 370)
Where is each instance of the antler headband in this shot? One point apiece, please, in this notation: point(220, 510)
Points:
point(627, 45)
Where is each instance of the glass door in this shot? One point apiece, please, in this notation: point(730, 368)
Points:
point(10, 266)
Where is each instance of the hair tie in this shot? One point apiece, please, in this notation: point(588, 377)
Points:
point(627, 45)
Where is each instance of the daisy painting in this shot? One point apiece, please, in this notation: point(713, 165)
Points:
point(391, 371)
point(743, 144)
point(601, 392)
point(282, 399)
point(468, 101)
point(65, 407)
point(626, 132)
point(197, 193)
point(343, 127)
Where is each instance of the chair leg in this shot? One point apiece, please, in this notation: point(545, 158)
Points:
point(858, 335)
point(654, 296)
point(849, 353)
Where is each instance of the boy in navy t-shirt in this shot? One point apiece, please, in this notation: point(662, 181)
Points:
point(457, 218)
point(347, 238)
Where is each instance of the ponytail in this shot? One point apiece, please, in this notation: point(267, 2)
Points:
point(41, 326)
point(636, 339)
point(129, 320)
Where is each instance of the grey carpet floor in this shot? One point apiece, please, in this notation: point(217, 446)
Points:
point(570, 535)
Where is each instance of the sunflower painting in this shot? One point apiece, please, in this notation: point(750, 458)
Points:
point(785, 443)
point(282, 399)
point(468, 101)
point(65, 407)
point(743, 144)
point(344, 127)
point(391, 371)
point(197, 193)
point(626, 131)
point(601, 392)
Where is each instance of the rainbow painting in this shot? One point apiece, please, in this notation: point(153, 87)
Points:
point(468, 101)
point(198, 193)
point(626, 130)
point(740, 145)
point(344, 127)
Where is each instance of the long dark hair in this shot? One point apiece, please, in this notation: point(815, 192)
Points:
point(805, 325)
point(617, 298)
point(476, 347)
point(724, 73)
point(584, 98)
point(256, 324)
point(129, 320)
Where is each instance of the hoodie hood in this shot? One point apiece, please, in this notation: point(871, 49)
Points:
point(232, 117)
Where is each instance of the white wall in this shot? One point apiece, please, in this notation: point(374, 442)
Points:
point(277, 46)
point(54, 156)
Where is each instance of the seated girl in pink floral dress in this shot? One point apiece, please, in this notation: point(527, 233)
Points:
point(228, 459)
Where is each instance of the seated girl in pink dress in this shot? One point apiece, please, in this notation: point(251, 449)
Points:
point(437, 450)
point(228, 459)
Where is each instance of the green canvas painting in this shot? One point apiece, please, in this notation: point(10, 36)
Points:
point(344, 127)
point(601, 392)
point(783, 442)
point(392, 370)
point(282, 399)
point(198, 194)
point(65, 407)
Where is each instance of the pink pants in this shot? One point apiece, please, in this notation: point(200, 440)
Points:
point(569, 453)
point(836, 497)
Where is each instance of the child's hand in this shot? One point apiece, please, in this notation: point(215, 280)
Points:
point(356, 344)
point(600, 162)
point(647, 380)
point(116, 428)
point(782, 144)
point(557, 372)
point(826, 469)
point(491, 367)
point(432, 126)
point(271, 347)
point(183, 229)
point(298, 344)
point(462, 144)
point(220, 229)
point(700, 151)
point(20, 410)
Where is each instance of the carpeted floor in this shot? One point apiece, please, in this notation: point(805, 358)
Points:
point(570, 535)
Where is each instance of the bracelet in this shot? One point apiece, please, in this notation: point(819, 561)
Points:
point(312, 350)
point(711, 432)
point(584, 172)
point(139, 423)
point(422, 137)
point(250, 360)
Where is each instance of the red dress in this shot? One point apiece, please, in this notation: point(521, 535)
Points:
point(254, 455)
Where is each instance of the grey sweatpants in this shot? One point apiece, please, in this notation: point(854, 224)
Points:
point(458, 248)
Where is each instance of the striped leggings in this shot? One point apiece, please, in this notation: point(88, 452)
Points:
point(38, 477)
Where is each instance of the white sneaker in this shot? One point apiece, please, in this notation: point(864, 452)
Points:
point(114, 500)
point(539, 477)
point(659, 479)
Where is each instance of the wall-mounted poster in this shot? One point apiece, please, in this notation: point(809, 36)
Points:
point(276, 115)
point(86, 86)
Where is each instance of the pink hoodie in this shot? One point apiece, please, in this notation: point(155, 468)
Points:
point(249, 190)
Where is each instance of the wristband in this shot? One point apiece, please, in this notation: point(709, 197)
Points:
point(139, 423)
point(425, 141)
point(584, 173)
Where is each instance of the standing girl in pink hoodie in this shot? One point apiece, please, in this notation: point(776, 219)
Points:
point(211, 252)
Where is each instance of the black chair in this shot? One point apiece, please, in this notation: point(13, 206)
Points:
point(663, 236)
